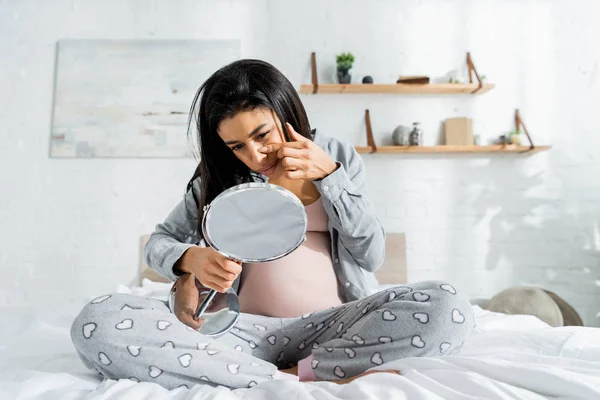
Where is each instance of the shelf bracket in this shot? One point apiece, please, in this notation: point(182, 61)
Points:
point(472, 69)
point(370, 140)
point(313, 67)
point(519, 123)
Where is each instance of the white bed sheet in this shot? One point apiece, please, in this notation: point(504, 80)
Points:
point(508, 357)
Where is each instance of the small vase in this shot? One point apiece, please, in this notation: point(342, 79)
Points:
point(400, 135)
point(344, 76)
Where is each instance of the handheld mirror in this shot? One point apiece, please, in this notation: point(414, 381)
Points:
point(249, 223)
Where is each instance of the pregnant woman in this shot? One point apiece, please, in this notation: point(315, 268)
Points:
point(315, 314)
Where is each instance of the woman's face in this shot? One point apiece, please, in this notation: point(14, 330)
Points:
point(247, 132)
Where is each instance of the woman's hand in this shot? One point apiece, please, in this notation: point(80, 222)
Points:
point(213, 270)
point(186, 301)
point(301, 159)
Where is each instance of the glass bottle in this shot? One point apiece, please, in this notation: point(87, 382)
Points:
point(416, 136)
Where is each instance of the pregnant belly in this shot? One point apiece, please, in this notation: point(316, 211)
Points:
point(302, 282)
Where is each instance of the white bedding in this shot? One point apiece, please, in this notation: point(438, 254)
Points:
point(508, 357)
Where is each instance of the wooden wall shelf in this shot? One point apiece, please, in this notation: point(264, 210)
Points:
point(448, 149)
point(398, 88)
point(497, 149)
point(477, 87)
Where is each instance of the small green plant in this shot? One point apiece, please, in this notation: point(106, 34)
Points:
point(344, 61)
point(514, 137)
point(515, 133)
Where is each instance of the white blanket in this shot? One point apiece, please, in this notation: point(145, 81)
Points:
point(508, 357)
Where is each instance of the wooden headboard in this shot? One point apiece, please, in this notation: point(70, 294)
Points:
point(393, 270)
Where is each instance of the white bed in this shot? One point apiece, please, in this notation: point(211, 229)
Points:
point(509, 357)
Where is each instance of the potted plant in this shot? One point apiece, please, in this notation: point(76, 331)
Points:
point(514, 137)
point(344, 63)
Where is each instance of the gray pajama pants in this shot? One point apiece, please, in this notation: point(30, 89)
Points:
point(125, 336)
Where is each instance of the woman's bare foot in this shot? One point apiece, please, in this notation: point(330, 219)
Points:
point(348, 380)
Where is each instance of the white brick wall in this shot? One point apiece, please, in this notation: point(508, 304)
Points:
point(71, 227)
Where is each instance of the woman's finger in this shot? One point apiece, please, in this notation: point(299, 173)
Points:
point(231, 266)
point(295, 135)
point(228, 265)
point(270, 148)
point(292, 164)
point(297, 174)
point(221, 282)
point(221, 274)
point(292, 152)
point(215, 283)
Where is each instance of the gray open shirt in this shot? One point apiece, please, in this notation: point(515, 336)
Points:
point(357, 237)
